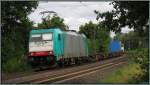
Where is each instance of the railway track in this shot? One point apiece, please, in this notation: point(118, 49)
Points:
point(58, 76)
point(62, 78)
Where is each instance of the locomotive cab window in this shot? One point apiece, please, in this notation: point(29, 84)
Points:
point(47, 36)
point(35, 37)
point(59, 37)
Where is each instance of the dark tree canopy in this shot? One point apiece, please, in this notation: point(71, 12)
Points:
point(134, 14)
point(14, 13)
point(15, 31)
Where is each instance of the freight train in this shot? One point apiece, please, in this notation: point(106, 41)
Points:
point(54, 46)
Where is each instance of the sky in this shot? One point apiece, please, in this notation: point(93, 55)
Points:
point(74, 13)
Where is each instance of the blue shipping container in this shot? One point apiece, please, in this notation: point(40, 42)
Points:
point(114, 46)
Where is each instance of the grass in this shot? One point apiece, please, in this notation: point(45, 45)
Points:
point(16, 64)
point(124, 74)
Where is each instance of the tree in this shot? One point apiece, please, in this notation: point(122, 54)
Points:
point(53, 22)
point(14, 13)
point(103, 36)
point(15, 30)
point(88, 29)
point(134, 14)
point(98, 36)
point(131, 40)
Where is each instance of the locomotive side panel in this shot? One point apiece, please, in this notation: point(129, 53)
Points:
point(74, 45)
point(68, 46)
point(59, 44)
point(85, 46)
point(82, 52)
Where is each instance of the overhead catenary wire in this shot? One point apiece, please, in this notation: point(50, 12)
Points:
point(90, 10)
point(57, 6)
point(47, 10)
point(73, 13)
point(81, 4)
point(69, 5)
point(85, 5)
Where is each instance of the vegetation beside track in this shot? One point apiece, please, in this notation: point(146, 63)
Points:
point(15, 32)
point(136, 71)
point(123, 75)
point(16, 64)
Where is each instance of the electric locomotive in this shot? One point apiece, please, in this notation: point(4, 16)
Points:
point(54, 46)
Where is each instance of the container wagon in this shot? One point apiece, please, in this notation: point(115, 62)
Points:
point(115, 48)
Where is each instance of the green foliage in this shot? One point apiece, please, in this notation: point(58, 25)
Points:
point(98, 36)
point(123, 75)
point(93, 46)
point(132, 40)
point(103, 37)
point(14, 13)
point(140, 57)
point(127, 13)
point(53, 22)
point(15, 33)
point(137, 71)
point(89, 29)
point(16, 64)
point(126, 36)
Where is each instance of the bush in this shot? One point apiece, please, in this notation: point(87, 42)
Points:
point(13, 49)
point(15, 64)
point(136, 72)
point(124, 74)
point(140, 57)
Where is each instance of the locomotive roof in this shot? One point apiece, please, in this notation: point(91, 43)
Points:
point(44, 30)
point(70, 32)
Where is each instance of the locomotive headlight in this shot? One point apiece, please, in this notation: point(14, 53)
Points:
point(31, 54)
point(51, 52)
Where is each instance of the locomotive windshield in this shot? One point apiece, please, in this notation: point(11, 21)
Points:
point(41, 37)
point(47, 36)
